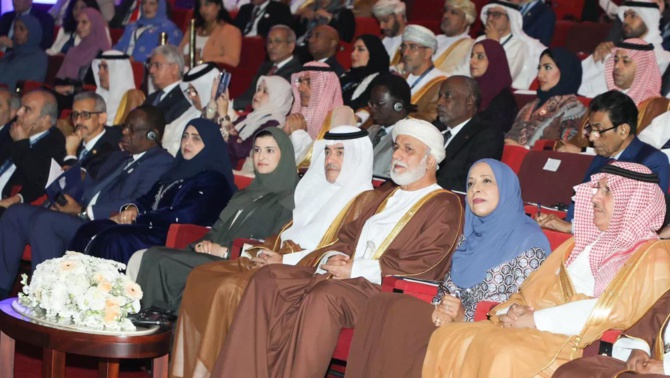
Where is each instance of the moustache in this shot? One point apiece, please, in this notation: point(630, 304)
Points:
point(332, 166)
point(399, 163)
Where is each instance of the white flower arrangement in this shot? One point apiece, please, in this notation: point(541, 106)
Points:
point(83, 291)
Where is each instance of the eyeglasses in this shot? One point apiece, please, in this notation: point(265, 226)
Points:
point(495, 14)
point(589, 130)
point(158, 65)
point(411, 47)
point(132, 129)
point(84, 115)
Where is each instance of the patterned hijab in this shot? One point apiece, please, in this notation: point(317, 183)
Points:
point(497, 76)
point(639, 209)
point(647, 81)
point(325, 95)
point(83, 54)
point(498, 237)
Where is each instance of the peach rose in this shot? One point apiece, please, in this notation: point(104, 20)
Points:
point(133, 290)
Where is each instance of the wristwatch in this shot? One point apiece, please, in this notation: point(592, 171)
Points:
point(83, 215)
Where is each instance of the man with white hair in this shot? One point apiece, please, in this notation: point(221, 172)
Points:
point(392, 18)
point(113, 78)
point(289, 319)
point(418, 47)
point(504, 23)
point(166, 69)
point(641, 20)
point(454, 46)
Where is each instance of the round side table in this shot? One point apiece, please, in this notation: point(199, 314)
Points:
point(58, 342)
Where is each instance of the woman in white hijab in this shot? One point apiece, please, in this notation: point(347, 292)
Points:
point(271, 103)
point(113, 78)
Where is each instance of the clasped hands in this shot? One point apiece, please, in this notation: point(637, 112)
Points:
point(267, 257)
point(339, 266)
point(127, 216)
point(450, 309)
point(640, 362)
point(518, 316)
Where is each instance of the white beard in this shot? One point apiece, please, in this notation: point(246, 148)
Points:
point(411, 175)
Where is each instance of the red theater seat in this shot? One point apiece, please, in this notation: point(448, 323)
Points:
point(344, 54)
point(115, 34)
point(513, 156)
point(367, 25)
point(568, 9)
point(561, 33)
point(585, 36)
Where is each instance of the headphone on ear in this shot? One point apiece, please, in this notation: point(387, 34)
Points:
point(152, 136)
point(398, 106)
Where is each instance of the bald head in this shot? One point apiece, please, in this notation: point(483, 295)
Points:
point(458, 100)
point(323, 42)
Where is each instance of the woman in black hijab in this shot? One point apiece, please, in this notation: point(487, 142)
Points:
point(368, 59)
point(194, 190)
point(556, 113)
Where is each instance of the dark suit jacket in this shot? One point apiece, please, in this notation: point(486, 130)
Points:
point(275, 14)
point(244, 100)
point(344, 23)
point(539, 22)
point(5, 138)
point(335, 65)
point(134, 182)
point(120, 12)
point(33, 164)
point(173, 104)
point(96, 157)
point(476, 140)
point(44, 18)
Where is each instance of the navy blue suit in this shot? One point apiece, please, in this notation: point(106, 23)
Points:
point(50, 232)
point(5, 138)
point(97, 156)
point(636, 152)
point(539, 22)
point(196, 200)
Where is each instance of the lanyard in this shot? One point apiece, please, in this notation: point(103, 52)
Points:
point(507, 40)
point(422, 76)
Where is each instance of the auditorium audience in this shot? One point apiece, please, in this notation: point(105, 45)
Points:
point(67, 36)
point(123, 177)
point(466, 137)
point(114, 77)
point(166, 70)
point(501, 247)
point(281, 62)
point(294, 327)
point(392, 17)
point(614, 267)
point(322, 46)
point(27, 60)
point(454, 46)
point(270, 106)
point(259, 16)
point(368, 59)
point(488, 66)
point(390, 102)
point(194, 190)
point(22, 8)
point(504, 23)
point(140, 38)
point(611, 127)
point(36, 142)
point(323, 203)
point(556, 113)
point(217, 39)
point(640, 21)
point(257, 211)
point(76, 68)
point(333, 13)
point(61, 11)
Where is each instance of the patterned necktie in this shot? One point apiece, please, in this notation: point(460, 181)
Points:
point(447, 136)
point(252, 21)
point(272, 70)
point(378, 138)
point(83, 154)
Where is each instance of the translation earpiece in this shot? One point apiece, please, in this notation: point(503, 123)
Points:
point(152, 136)
point(398, 106)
